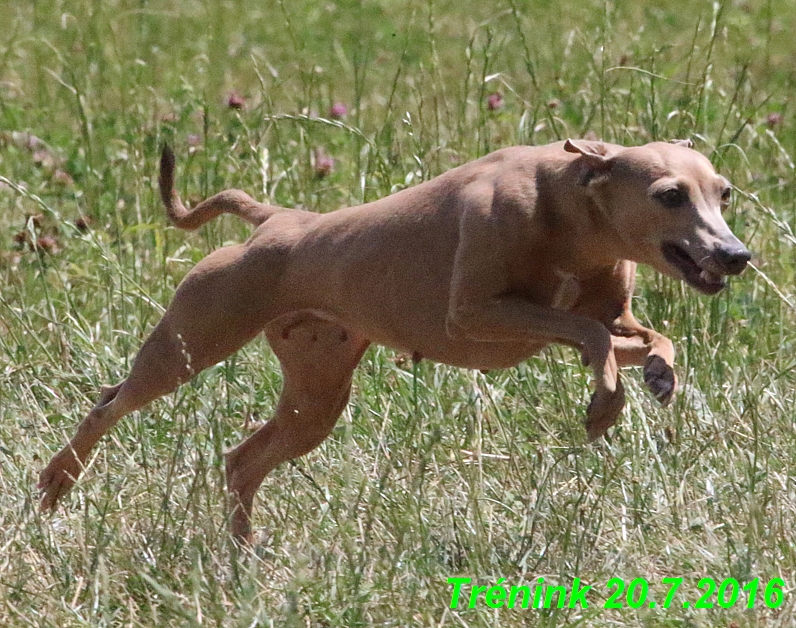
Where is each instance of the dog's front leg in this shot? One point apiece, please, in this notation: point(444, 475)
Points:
point(607, 297)
point(482, 309)
point(515, 319)
point(635, 345)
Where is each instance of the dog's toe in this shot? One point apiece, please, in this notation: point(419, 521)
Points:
point(603, 411)
point(52, 489)
point(660, 378)
point(57, 478)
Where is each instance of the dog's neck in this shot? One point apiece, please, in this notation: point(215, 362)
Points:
point(582, 222)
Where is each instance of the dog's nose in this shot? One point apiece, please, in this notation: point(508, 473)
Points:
point(733, 258)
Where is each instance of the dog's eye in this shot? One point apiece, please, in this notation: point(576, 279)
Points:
point(726, 195)
point(673, 197)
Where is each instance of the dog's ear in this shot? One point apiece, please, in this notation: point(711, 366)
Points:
point(598, 161)
point(686, 143)
point(594, 153)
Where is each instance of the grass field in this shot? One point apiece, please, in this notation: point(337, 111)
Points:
point(432, 472)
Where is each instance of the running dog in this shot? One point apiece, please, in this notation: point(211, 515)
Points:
point(479, 268)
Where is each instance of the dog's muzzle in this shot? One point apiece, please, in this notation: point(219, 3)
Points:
point(732, 259)
point(707, 274)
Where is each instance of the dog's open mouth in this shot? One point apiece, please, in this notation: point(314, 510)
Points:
point(693, 274)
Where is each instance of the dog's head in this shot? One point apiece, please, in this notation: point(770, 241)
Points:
point(664, 201)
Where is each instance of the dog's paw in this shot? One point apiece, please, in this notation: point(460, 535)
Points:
point(59, 476)
point(241, 529)
point(240, 512)
point(603, 411)
point(660, 378)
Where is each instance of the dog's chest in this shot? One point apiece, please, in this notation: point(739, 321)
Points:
point(567, 292)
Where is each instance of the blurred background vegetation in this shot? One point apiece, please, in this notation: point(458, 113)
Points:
point(432, 471)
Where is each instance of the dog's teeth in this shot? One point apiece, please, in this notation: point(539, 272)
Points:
point(709, 277)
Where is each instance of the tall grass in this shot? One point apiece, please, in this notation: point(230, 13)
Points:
point(432, 472)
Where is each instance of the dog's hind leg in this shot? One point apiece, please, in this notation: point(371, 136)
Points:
point(207, 321)
point(318, 358)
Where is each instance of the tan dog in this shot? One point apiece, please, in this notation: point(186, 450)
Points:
point(479, 268)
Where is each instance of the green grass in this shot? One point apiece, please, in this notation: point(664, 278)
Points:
point(432, 472)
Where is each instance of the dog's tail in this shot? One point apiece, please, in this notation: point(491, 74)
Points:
point(227, 202)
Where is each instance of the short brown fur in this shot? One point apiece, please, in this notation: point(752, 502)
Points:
point(480, 268)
